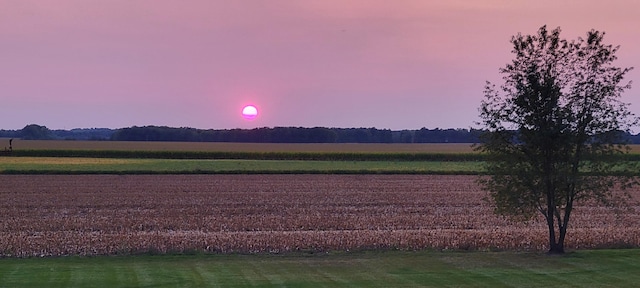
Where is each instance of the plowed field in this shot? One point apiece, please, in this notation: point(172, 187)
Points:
point(46, 215)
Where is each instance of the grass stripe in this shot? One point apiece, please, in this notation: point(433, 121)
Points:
point(597, 268)
point(54, 165)
point(81, 165)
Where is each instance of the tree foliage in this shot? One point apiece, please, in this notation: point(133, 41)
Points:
point(295, 135)
point(36, 132)
point(552, 128)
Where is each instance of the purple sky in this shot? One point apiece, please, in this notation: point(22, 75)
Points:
point(401, 64)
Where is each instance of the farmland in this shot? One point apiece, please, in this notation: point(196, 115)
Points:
point(239, 147)
point(413, 148)
point(101, 157)
point(82, 165)
point(287, 206)
point(52, 215)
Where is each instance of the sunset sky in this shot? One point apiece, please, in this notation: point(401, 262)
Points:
point(402, 64)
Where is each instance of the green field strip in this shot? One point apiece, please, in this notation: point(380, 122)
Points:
point(589, 268)
point(83, 165)
point(253, 155)
point(72, 165)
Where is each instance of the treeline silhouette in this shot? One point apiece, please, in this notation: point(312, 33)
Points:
point(295, 135)
point(257, 135)
point(38, 132)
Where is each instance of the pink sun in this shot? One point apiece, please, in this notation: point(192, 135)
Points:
point(249, 112)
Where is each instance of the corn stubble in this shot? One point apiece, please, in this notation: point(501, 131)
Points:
point(53, 215)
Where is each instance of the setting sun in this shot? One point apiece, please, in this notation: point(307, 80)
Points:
point(249, 112)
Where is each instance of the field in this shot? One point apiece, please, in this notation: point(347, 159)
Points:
point(82, 165)
point(54, 215)
point(599, 268)
point(234, 214)
point(238, 147)
point(443, 148)
point(107, 157)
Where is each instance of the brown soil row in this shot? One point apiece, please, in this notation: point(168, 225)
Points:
point(108, 214)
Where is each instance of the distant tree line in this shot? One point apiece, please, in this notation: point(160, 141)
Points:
point(257, 135)
point(38, 132)
point(296, 135)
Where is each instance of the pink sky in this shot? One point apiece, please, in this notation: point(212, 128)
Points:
point(395, 65)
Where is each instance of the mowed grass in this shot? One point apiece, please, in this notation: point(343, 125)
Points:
point(72, 165)
point(596, 268)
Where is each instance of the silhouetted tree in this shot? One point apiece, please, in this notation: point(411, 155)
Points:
point(553, 128)
point(36, 132)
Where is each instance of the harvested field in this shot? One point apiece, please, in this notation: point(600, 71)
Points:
point(447, 148)
point(51, 215)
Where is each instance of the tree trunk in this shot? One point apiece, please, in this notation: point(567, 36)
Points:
point(556, 248)
point(563, 227)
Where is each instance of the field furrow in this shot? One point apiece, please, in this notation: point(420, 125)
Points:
point(46, 215)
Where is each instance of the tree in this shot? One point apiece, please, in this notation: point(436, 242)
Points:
point(555, 129)
point(36, 132)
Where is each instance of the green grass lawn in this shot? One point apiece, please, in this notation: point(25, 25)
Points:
point(65, 165)
point(597, 268)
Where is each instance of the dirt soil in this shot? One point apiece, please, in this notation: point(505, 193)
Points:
point(52, 215)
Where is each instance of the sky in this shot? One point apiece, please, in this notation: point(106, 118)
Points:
point(403, 64)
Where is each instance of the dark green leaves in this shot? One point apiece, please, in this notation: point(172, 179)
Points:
point(554, 128)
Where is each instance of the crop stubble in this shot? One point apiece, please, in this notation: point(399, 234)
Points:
point(51, 215)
